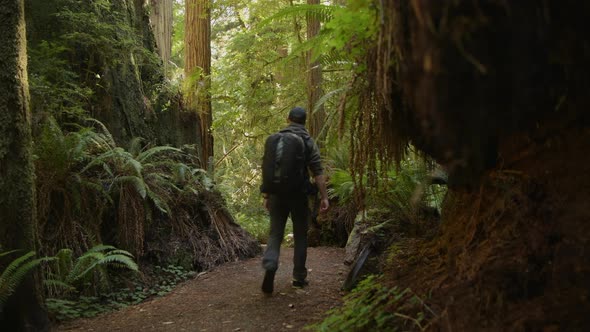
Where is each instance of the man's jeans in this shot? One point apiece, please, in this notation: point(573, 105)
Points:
point(280, 207)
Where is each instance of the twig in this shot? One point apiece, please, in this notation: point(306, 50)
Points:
point(226, 154)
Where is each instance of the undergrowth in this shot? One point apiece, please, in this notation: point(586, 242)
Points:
point(372, 306)
point(158, 282)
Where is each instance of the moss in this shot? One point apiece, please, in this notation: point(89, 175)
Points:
point(17, 207)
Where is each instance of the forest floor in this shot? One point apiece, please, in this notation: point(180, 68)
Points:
point(229, 298)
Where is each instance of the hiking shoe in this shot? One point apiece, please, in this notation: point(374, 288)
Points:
point(300, 283)
point(268, 282)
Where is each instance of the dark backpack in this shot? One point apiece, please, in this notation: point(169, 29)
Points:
point(284, 164)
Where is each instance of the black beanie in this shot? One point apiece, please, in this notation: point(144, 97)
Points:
point(297, 114)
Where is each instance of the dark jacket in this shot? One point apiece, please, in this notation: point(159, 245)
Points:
point(313, 159)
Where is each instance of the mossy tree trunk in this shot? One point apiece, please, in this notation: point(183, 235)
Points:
point(23, 311)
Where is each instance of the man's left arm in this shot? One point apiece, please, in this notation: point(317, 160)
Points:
point(315, 166)
point(320, 180)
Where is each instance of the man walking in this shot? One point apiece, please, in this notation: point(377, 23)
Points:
point(290, 156)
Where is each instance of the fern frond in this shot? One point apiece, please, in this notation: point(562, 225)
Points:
point(120, 252)
point(54, 283)
point(161, 180)
point(104, 157)
point(64, 262)
point(159, 202)
point(341, 185)
point(82, 264)
point(14, 266)
point(180, 172)
point(135, 146)
point(120, 261)
point(332, 58)
point(15, 272)
point(107, 134)
point(142, 157)
point(135, 165)
point(101, 247)
point(137, 183)
point(6, 253)
point(327, 96)
point(80, 274)
point(97, 187)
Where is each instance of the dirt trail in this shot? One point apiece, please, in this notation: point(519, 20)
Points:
point(229, 299)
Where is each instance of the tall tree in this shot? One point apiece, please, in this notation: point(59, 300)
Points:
point(23, 312)
point(161, 20)
point(197, 69)
point(314, 81)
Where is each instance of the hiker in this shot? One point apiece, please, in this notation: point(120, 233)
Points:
point(290, 155)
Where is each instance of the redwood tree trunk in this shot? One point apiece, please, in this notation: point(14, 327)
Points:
point(314, 83)
point(161, 22)
point(23, 311)
point(198, 69)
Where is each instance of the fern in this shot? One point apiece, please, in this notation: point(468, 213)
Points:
point(342, 186)
point(144, 156)
point(6, 253)
point(159, 202)
point(135, 181)
point(15, 272)
point(68, 274)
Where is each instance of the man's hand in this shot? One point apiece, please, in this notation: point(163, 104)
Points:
point(321, 182)
point(324, 204)
point(265, 203)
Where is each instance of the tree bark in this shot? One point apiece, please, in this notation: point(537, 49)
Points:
point(161, 21)
point(314, 83)
point(198, 69)
point(23, 311)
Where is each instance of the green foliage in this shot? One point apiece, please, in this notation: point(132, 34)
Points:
point(82, 175)
point(72, 58)
point(321, 13)
point(54, 86)
point(66, 278)
point(166, 278)
point(256, 224)
point(407, 188)
point(92, 266)
point(15, 272)
point(371, 306)
point(85, 306)
point(345, 36)
point(101, 29)
point(341, 186)
point(257, 77)
point(70, 204)
point(401, 189)
point(161, 281)
point(351, 31)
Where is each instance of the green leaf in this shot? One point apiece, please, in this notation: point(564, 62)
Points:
point(137, 183)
